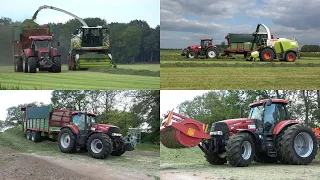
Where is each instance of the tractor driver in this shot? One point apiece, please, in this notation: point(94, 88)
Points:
point(78, 120)
point(89, 35)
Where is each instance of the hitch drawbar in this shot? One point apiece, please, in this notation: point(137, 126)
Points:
point(178, 131)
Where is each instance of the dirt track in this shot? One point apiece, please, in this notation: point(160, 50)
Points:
point(255, 171)
point(14, 165)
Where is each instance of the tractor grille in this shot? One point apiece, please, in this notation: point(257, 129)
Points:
point(44, 54)
point(113, 130)
point(220, 126)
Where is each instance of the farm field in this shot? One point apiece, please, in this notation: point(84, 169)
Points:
point(178, 72)
point(189, 163)
point(81, 79)
point(46, 161)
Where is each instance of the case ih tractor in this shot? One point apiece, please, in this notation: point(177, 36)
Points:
point(268, 49)
point(267, 135)
point(75, 130)
point(206, 48)
point(32, 49)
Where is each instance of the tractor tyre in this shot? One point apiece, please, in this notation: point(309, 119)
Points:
point(118, 152)
point(290, 57)
point(267, 54)
point(35, 136)
point(56, 67)
point(28, 134)
point(99, 145)
point(192, 54)
point(18, 65)
point(213, 158)
point(73, 66)
point(240, 150)
point(212, 53)
point(264, 158)
point(24, 64)
point(299, 145)
point(279, 146)
point(32, 65)
point(67, 141)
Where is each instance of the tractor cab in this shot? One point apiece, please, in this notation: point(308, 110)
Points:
point(93, 36)
point(40, 45)
point(205, 43)
point(83, 121)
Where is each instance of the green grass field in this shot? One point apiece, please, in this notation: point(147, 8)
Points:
point(80, 79)
point(178, 72)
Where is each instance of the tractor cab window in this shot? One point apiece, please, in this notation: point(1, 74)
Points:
point(206, 43)
point(91, 37)
point(92, 119)
point(256, 113)
point(41, 44)
point(269, 118)
point(79, 121)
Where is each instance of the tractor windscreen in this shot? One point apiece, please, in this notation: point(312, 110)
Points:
point(42, 44)
point(256, 112)
point(206, 43)
point(94, 37)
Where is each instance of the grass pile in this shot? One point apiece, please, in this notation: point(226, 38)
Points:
point(124, 71)
point(30, 24)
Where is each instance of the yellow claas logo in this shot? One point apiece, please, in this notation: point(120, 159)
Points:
point(191, 131)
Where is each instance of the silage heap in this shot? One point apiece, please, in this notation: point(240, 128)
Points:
point(30, 24)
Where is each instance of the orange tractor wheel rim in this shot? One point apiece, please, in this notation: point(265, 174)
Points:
point(267, 55)
point(290, 57)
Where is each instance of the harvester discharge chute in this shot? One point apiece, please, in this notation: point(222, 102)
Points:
point(178, 131)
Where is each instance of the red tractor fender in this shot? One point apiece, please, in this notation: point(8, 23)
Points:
point(27, 52)
point(284, 124)
point(73, 128)
point(211, 46)
point(53, 52)
point(251, 132)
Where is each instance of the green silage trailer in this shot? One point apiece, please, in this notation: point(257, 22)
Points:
point(44, 122)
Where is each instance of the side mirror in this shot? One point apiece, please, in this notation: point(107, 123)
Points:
point(75, 32)
point(58, 44)
point(269, 102)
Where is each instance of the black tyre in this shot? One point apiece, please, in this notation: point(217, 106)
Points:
point(67, 141)
point(28, 134)
point(99, 146)
point(213, 158)
point(267, 54)
point(279, 146)
point(192, 54)
point(290, 57)
point(118, 152)
point(212, 53)
point(74, 66)
point(35, 136)
point(264, 158)
point(56, 67)
point(24, 64)
point(32, 65)
point(299, 145)
point(240, 150)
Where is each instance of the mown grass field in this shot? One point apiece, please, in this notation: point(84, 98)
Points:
point(82, 79)
point(178, 72)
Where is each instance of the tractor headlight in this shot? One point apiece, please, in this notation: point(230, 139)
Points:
point(216, 133)
point(116, 134)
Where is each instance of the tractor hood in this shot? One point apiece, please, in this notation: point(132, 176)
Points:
point(42, 50)
point(106, 129)
point(232, 122)
point(194, 46)
point(225, 126)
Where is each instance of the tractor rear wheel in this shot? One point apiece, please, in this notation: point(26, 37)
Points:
point(32, 65)
point(264, 158)
point(35, 136)
point(24, 64)
point(240, 150)
point(212, 53)
point(99, 145)
point(290, 57)
point(215, 159)
point(28, 134)
point(56, 67)
point(118, 152)
point(67, 141)
point(267, 54)
point(299, 145)
point(18, 67)
point(279, 146)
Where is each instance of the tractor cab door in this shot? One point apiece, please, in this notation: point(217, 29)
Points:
point(83, 122)
point(273, 114)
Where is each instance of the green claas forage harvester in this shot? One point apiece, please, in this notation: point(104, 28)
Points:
point(74, 130)
point(268, 49)
point(89, 47)
point(268, 135)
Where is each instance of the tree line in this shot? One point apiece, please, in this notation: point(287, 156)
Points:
point(125, 109)
point(215, 106)
point(133, 42)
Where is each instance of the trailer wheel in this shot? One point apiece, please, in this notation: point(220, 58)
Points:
point(32, 65)
point(56, 67)
point(264, 158)
point(212, 53)
point(67, 141)
point(215, 159)
point(28, 134)
point(240, 150)
point(35, 136)
point(118, 152)
point(299, 145)
point(267, 54)
point(99, 145)
point(290, 57)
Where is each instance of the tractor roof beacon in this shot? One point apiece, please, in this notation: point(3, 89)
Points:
point(266, 136)
point(269, 49)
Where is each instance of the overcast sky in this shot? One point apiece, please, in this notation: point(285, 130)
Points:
point(14, 98)
point(185, 22)
point(111, 10)
point(170, 99)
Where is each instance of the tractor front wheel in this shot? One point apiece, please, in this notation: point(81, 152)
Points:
point(99, 146)
point(299, 145)
point(56, 67)
point(267, 55)
point(32, 65)
point(24, 64)
point(240, 150)
point(290, 57)
point(67, 141)
point(192, 54)
point(215, 158)
point(118, 152)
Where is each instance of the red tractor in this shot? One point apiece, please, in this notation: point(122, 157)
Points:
point(33, 49)
point(267, 135)
point(206, 48)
